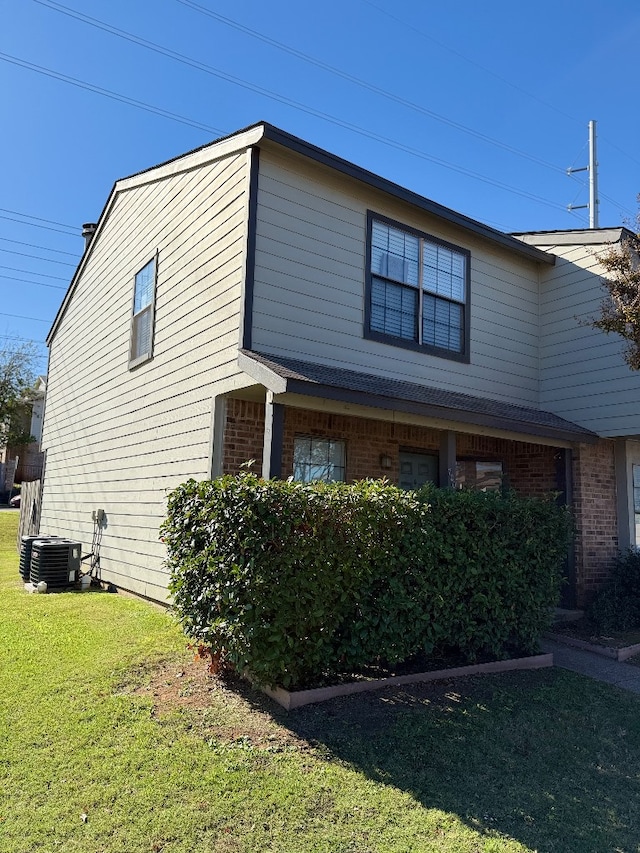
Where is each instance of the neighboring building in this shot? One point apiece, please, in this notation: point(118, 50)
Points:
point(27, 459)
point(261, 298)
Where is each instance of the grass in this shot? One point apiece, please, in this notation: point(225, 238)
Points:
point(104, 714)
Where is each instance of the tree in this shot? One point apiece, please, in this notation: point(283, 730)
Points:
point(620, 311)
point(17, 377)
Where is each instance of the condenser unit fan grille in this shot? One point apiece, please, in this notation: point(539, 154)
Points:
point(57, 562)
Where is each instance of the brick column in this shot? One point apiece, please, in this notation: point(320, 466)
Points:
point(595, 513)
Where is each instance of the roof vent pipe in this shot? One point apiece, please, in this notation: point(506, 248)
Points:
point(88, 230)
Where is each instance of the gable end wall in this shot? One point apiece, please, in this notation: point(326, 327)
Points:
point(119, 439)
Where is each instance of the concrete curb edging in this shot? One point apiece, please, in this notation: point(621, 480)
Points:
point(297, 698)
point(620, 654)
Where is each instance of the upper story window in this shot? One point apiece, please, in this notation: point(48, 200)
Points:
point(142, 322)
point(417, 290)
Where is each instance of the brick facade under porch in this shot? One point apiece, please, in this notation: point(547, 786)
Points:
point(530, 469)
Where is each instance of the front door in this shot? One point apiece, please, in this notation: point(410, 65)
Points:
point(416, 469)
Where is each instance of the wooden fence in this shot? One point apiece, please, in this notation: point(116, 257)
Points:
point(30, 499)
point(7, 476)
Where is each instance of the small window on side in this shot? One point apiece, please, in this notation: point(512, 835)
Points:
point(142, 321)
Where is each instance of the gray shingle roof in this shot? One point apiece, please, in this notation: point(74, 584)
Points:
point(287, 375)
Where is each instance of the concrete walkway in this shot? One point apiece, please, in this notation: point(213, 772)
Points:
point(624, 675)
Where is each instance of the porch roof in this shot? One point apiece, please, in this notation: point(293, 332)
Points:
point(283, 375)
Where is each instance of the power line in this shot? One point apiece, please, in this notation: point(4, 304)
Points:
point(585, 187)
point(21, 317)
point(39, 283)
point(497, 76)
point(185, 60)
point(358, 81)
point(107, 93)
point(470, 61)
point(33, 272)
point(325, 66)
point(35, 224)
point(296, 105)
point(35, 246)
point(39, 218)
point(602, 138)
point(37, 257)
point(23, 340)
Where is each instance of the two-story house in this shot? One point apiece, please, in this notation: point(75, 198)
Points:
point(260, 298)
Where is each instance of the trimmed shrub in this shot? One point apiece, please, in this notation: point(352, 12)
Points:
point(501, 558)
point(616, 605)
point(294, 582)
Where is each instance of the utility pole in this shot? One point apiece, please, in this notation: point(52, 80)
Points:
point(592, 168)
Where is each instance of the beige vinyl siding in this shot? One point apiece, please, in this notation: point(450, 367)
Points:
point(582, 373)
point(119, 439)
point(310, 280)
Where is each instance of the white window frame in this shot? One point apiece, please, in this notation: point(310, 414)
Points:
point(147, 309)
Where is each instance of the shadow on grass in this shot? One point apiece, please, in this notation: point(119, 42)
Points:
point(547, 758)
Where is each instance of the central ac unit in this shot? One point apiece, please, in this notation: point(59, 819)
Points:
point(26, 546)
point(55, 561)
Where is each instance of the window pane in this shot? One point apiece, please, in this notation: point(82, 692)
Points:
point(394, 254)
point(442, 323)
point(144, 287)
point(141, 344)
point(336, 453)
point(444, 271)
point(489, 476)
point(394, 309)
point(482, 476)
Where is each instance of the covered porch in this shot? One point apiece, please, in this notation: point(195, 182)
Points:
point(310, 421)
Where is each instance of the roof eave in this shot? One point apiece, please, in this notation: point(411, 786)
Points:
point(324, 157)
point(255, 135)
point(272, 381)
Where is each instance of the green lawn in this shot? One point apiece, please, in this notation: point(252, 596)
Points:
point(103, 714)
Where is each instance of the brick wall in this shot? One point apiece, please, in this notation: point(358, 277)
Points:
point(366, 441)
point(530, 469)
point(243, 435)
point(595, 513)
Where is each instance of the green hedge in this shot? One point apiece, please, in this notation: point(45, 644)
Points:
point(616, 605)
point(294, 581)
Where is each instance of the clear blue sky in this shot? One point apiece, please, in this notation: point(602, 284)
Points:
point(480, 106)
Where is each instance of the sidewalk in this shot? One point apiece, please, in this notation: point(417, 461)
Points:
point(619, 673)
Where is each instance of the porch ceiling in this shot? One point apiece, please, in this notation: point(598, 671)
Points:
point(286, 375)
